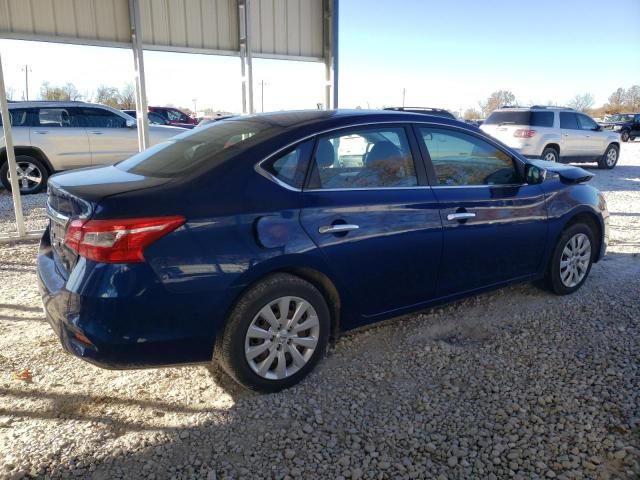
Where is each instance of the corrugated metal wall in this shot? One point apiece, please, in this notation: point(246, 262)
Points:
point(287, 28)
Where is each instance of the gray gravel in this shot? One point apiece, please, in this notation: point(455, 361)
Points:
point(515, 383)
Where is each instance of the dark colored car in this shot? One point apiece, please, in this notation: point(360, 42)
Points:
point(436, 112)
point(252, 241)
point(626, 124)
point(154, 118)
point(175, 117)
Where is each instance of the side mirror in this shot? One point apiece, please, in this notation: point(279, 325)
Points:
point(598, 128)
point(131, 123)
point(534, 175)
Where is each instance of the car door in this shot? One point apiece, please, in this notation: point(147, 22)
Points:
point(369, 209)
point(60, 134)
point(635, 128)
point(110, 139)
point(594, 142)
point(494, 226)
point(572, 141)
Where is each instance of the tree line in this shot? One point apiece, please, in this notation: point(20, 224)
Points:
point(621, 100)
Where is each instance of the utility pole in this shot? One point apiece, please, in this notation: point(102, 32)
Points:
point(262, 84)
point(404, 91)
point(26, 70)
point(195, 107)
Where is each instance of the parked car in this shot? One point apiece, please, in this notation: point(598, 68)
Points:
point(248, 241)
point(626, 124)
point(207, 121)
point(175, 117)
point(154, 118)
point(54, 136)
point(436, 112)
point(555, 134)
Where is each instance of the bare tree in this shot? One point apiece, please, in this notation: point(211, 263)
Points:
point(632, 98)
point(471, 114)
point(127, 97)
point(617, 100)
point(67, 92)
point(497, 100)
point(582, 102)
point(107, 96)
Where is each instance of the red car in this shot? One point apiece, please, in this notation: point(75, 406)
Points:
point(175, 116)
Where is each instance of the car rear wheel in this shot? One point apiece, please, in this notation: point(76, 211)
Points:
point(572, 259)
point(610, 158)
point(275, 335)
point(32, 174)
point(550, 154)
point(624, 136)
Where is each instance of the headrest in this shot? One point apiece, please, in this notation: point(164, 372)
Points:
point(325, 154)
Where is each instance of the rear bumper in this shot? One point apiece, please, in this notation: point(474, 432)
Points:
point(146, 328)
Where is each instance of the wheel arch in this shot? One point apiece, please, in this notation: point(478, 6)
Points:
point(554, 145)
point(29, 151)
point(593, 221)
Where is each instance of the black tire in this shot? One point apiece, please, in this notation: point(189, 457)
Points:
point(631, 139)
point(25, 162)
point(610, 158)
point(230, 344)
point(624, 135)
point(554, 280)
point(549, 152)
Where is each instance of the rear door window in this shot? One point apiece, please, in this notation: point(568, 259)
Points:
point(59, 118)
point(569, 121)
point(364, 158)
point(101, 118)
point(542, 119)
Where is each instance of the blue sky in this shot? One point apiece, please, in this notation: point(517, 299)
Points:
point(445, 54)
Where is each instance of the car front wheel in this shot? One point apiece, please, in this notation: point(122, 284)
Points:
point(32, 174)
point(610, 158)
point(572, 259)
point(275, 335)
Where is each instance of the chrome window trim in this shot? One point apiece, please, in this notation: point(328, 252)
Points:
point(56, 216)
point(258, 166)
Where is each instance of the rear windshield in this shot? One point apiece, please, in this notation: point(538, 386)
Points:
point(211, 144)
point(522, 117)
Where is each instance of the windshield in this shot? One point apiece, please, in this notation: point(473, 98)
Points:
point(212, 145)
point(619, 118)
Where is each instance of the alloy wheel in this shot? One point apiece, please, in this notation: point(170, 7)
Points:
point(282, 338)
point(550, 157)
point(29, 176)
point(612, 157)
point(575, 260)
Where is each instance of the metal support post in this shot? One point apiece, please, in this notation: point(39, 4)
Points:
point(246, 64)
point(142, 118)
point(11, 156)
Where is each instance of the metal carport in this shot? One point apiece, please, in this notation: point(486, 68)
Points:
point(304, 30)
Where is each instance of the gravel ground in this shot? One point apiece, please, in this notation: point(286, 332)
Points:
point(515, 383)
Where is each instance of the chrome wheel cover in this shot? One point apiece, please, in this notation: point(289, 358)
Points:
point(612, 157)
point(29, 176)
point(575, 260)
point(282, 338)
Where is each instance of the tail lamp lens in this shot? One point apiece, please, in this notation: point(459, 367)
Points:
point(524, 133)
point(118, 241)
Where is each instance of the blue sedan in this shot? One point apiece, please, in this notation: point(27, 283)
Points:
point(256, 240)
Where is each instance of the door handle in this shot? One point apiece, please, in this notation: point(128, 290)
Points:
point(96, 133)
point(460, 216)
point(338, 228)
point(565, 134)
point(42, 132)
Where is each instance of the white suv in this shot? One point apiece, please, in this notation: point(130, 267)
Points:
point(55, 136)
point(554, 134)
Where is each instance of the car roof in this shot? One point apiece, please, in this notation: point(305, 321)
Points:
point(318, 118)
point(52, 104)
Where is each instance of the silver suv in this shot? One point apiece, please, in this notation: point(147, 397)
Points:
point(554, 134)
point(55, 136)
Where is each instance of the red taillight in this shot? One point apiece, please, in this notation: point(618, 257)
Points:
point(524, 133)
point(117, 241)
